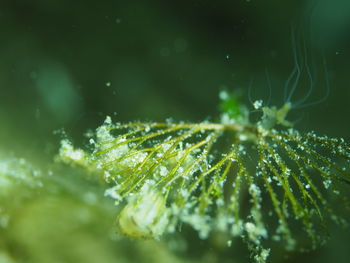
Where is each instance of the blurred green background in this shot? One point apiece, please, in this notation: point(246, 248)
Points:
point(67, 64)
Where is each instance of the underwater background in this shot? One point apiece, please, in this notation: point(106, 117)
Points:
point(65, 65)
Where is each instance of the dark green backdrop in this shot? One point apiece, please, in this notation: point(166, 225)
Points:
point(68, 64)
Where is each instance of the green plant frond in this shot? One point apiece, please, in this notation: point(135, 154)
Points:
point(239, 178)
